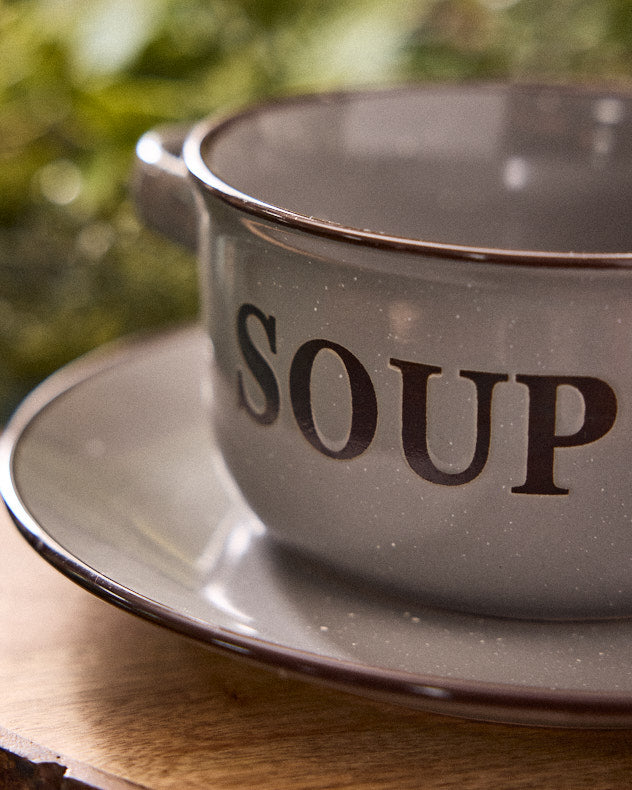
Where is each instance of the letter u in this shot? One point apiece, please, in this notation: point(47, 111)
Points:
point(415, 421)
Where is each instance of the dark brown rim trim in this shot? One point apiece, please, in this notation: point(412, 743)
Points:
point(203, 133)
point(450, 696)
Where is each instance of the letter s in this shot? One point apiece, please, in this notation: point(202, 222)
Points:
point(257, 365)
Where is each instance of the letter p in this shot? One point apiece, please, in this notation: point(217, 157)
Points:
point(600, 412)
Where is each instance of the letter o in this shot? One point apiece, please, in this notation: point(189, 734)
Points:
point(363, 400)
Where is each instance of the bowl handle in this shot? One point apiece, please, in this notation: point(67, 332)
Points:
point(162, 190)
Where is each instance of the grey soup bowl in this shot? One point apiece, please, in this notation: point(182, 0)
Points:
point(419, 302)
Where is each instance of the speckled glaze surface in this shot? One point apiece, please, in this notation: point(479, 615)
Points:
point(109, 471)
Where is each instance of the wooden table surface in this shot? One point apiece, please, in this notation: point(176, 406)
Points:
point(115, 700)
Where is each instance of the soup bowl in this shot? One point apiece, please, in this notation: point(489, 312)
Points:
point(418, 302)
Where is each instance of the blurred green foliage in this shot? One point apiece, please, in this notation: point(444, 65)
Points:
point(81, 81)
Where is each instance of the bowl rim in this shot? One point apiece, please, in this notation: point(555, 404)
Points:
point(205, 132)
